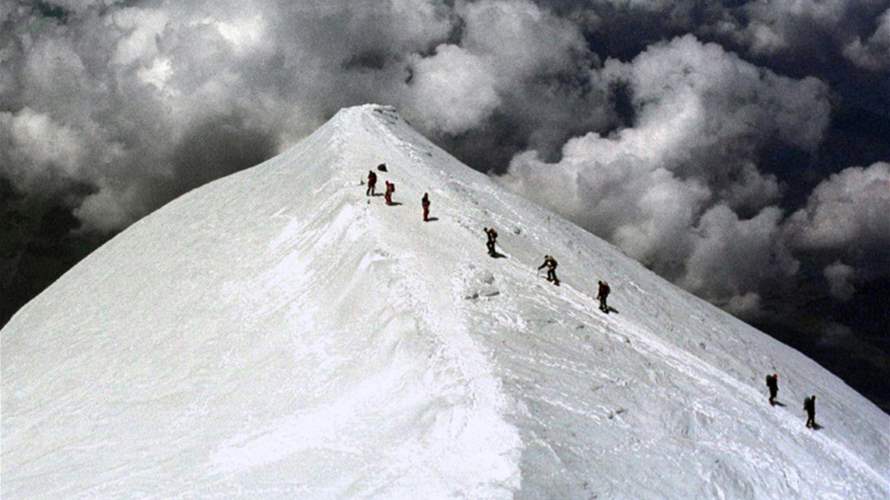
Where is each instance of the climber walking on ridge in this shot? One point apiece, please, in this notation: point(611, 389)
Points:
point(492, 236)
point(390, 189)
point(550, 263)
point(602, 294)
point(809, 406)
point(772, 381)
point(372, 183)
point(425, 203)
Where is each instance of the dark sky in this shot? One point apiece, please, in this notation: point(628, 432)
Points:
point(739, 149)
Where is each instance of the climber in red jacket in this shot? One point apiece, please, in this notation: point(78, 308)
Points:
point(390, 189)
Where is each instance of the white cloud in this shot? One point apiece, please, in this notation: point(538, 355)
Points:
point(139, 30)
point(647, 211)
point(35, 140)
point(750, 189)
point(453, 90)
point(520, 40)
point(731, 257)
point(243, 33)
point(509, 53)
point(846, 211)
point(104, 211)
point(715, 97)
point(156, 74)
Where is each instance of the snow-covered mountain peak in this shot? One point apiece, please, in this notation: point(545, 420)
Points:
point(278, 333)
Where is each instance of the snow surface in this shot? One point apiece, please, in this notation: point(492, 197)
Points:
point(277, 334)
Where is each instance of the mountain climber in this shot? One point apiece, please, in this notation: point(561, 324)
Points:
point(492, 236)
point(372, 183)
point(772, 381)
point(425, 203)
point(809, 406)
point(550, 263)
point(390, 189)
point(382, 167)
point(602, 294)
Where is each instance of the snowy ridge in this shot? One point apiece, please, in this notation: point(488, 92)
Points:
point(278, 334)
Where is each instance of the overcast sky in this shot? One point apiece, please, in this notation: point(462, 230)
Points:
point(739, 149)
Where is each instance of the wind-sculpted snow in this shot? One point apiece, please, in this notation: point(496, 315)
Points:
point(278, 334)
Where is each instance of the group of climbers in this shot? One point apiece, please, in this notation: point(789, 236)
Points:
point(809, 404)
point(603, 289)
point(550, 264)
point(391, 188)
point(490, 233)
point(372, 184)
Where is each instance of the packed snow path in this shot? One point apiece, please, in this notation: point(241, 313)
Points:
point(277, 333)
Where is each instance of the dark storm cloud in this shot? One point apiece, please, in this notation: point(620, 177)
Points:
point(735, 147)
point(872, 51)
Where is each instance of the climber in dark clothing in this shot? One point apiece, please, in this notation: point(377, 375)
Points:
point(492, 236)
point(809, 406)
point(550, 263)
point(372, 183)
point(602, 294)
point(390, 189)
point(425, 203)
point(772, 381)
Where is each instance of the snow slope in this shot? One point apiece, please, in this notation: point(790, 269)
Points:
point(277, 334)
